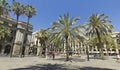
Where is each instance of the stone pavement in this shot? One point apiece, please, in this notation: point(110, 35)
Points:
point(37, 63)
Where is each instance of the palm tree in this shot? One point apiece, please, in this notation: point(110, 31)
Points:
point(56, 43)
point(18, 10)
point(37, 44)
point(97, 25)
point(4, 8)
point(106, 39)
point(43, 37)
point(4, 32)
point(29, 12)
point(110, 43)
point(66, 29)
point(4, 35)
point(93, 41)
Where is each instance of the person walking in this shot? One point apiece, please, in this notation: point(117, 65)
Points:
point(118, 57)
point(53, 55)
point(23, 51)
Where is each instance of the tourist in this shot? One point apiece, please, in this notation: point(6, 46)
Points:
point(53, 55)
point(118, 57)
point(23, 51)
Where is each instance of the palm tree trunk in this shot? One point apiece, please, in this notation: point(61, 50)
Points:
point(101, 53)
point(15, 33)
point(100, 45)
point(67, 52)
point(46, 51)
point(87, 52)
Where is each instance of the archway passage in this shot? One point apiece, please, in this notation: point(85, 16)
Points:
point(119, 51)
point(0, 48)
point(7, 49)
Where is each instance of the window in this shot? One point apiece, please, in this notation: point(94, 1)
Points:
point(94, 50)
point(103, 49)
point(118, 41)
point(5, 22)
point(113, 50)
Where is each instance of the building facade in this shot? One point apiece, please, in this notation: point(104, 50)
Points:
point(17, 34)
point(78, 47)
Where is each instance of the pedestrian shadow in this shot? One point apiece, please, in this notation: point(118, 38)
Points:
point(94, 68)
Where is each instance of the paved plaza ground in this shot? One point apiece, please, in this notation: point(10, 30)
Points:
point(37, 63)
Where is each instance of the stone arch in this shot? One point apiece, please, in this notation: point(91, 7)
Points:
point(0, 48)
point(7, 49)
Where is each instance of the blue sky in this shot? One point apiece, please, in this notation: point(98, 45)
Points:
point(49, 10)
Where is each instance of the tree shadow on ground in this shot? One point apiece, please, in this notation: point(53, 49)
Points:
point(94, 68)
point(45, 67)
point(59, 67)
